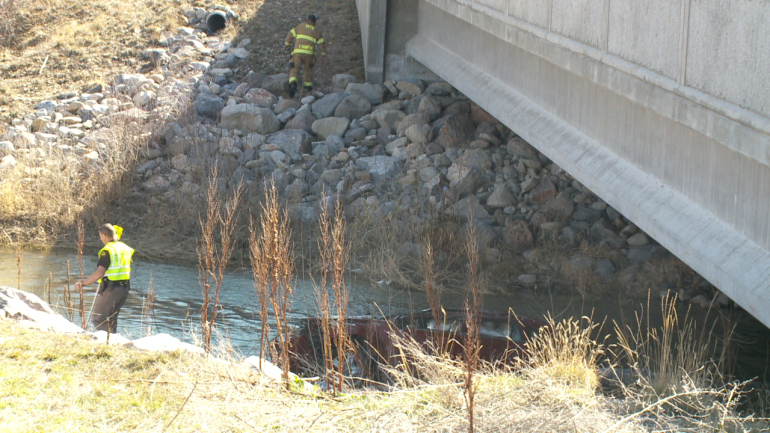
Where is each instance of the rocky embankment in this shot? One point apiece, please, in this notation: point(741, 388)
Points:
point(412, 149)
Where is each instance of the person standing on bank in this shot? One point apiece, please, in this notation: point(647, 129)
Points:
point(303, 40)
point(113, 272)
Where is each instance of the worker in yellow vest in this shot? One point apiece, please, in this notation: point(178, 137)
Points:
point(303, 40)
point(113, 272)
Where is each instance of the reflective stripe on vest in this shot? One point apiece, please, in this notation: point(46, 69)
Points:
point(304, 49)
point(120, 261)
point(294, 33)
point(307, 38)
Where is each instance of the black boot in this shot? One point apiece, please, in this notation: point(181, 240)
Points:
point(308, 89)
point(292, 88)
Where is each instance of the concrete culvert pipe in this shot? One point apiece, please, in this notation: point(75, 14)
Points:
point(216, 21)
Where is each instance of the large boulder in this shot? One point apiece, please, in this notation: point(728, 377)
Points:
point(480, 116)
point(455, 130)
point(276, 84)
point(255, 79)
point(412, 119)
point(440, 89)
point(330, 126)
point(285, 105)
point(408, 89)
point(476, 158)
point(325, 106)
point(249, 118)
point(517, 235)
point(373, 92)
point(7, 162)
point(518, 147)
point(500, 198)
point(468, 208)
point(353, 107)
point(292, 142)
point(260, 98)
point(381, 167)
point(302, 120)
point(419, 133)
point(431, 107)
point(388, 118)
point(341, 81)
point(207, 105)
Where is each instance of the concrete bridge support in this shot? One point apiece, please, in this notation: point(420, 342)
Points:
point(661, 108)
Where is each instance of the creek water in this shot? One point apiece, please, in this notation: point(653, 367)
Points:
point(178, 297)
point(178, 302)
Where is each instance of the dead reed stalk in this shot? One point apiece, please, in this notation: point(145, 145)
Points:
point(472, 345)
point(148, 308)
point(81, 242)
point(334, 252)
point(67, 297)
point(428, 272)
point(219, 219)
point(261, 274)
point(322, 292)
point(48, 288)
point(18, 265)
point(272, 261)
point(339, 257)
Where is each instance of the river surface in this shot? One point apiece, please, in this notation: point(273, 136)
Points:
point(178, 302)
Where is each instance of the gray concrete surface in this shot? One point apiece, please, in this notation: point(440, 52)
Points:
point(728, 53)
point(661, 108)
point(371, 17)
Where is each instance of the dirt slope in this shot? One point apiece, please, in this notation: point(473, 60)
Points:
point(48, 47)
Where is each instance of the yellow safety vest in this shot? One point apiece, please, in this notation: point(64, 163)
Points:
point(120, 261)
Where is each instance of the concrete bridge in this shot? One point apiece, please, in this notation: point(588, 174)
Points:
point(661, 107)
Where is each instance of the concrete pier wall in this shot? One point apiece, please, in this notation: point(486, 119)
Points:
point(660, 107)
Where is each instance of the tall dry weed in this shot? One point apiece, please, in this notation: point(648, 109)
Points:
point(81, 242)
point(219, 223)
point(272, 261)
point(472, 343)
point(334, 254)
point(148, 309)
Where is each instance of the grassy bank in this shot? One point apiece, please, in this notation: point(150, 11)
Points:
point(51, 383)
point(65, 383)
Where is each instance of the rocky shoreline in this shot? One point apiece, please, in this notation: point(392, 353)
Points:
point(412, 148)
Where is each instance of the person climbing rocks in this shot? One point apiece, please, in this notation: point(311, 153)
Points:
point(303, 40)
point(113, 271)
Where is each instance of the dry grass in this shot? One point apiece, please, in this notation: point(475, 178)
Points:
point(46, 193)
point(215, 247)
point(568, 351)
point(84, 42)
point(86, 386)
point(392, 248)
point(677, 376)
point(272, 261)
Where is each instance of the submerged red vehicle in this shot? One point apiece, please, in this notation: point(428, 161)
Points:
point(502, 337)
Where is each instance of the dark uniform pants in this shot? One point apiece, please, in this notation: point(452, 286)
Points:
point(304, 62)
point(109, 300)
